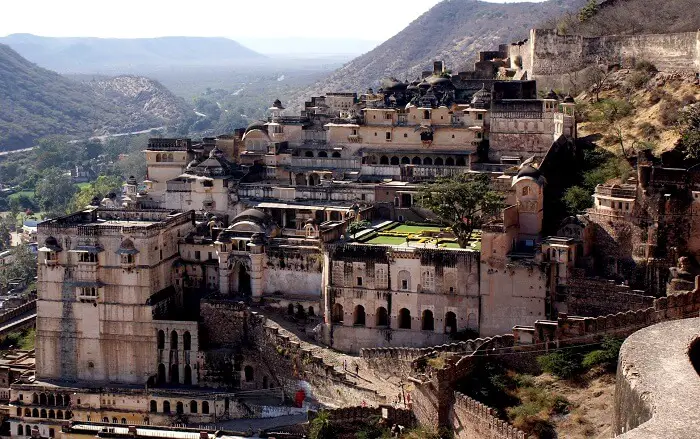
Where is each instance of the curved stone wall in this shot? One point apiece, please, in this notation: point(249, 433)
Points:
point(658, 387)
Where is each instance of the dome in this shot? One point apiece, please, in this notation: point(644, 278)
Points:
point(529, 171)
point(252, 221)
point(216, 153)
point(424, 84)
point(131, 180)
point(568, 99)
point(440, 81)
point(412, 87)
point(277, 104)
point(259, 125)
point(393, 84)
point(551, 95)
point(253, 214)
point(481, 99)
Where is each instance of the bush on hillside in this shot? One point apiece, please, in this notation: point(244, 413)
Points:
point(605, 356)
point(564, 364)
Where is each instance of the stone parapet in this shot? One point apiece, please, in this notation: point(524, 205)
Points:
point(473, 420)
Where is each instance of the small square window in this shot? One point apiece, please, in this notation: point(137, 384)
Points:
point(405, 135)
point(359, 281)
point(480, 116)
point(197, 255)
point(375, 134)
point(388, 135)
point(404, 284)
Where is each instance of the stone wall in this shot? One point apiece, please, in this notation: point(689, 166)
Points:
point(549, 53)
point(590, 297)
point(389, 414)
point(473, 420)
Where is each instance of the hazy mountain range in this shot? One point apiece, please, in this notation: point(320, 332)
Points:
point(36, 102)
point(112, 55)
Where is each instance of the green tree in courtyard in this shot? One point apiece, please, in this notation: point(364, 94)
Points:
point(462, 203)
point(577, 199)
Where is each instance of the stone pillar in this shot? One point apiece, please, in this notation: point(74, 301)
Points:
point(256, 249)
point(223, 273)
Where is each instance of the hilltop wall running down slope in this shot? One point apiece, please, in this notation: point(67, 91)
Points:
point(547, 53)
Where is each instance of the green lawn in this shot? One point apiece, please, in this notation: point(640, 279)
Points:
point(387, 240)
point(28, 194)
point(82, 185)
point(403, 228)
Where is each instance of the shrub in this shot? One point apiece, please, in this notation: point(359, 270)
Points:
point(656, 96)
point(563, 364)
point(610, 110)
point(668, 113)
point(577, 199)
point(638, 79)
point(648, 130)
point(645, 66)
point(605, 356)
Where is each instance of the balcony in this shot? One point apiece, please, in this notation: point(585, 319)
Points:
point(354, 138)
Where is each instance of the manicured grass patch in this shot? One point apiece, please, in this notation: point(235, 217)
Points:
point(403, 228)
point(82, 185)
point(28, 194)
point(388, 240)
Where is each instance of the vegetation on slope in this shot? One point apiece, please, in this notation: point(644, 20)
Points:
point(37, 102)
point(629, 17)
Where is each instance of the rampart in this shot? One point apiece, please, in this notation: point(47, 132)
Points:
point(548, 53)
point(389, 414)
point(22, 309)
point(473, 420)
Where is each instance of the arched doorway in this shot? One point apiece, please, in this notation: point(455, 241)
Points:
point(450, 323)
point(188, 375)
point(404, 319)
point(161, 374)
point(174, 374)
point(359, 316)
point(337, 316)
point(240, 280)
point(382, 317)
point(428, 323)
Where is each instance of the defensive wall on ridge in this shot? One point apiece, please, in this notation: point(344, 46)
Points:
point(547, 53)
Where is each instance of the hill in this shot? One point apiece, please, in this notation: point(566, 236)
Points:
point(127, 55)
point(631, 17)
point(453, 30)
point(37, 102)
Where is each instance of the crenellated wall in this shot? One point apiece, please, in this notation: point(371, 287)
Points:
point(548, 53)
point(473, 420)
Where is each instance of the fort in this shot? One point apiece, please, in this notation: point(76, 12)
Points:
point(547, 53)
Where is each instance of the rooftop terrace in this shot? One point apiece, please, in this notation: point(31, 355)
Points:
point(397, 234)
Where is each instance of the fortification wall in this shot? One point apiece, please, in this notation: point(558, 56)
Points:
point(548, 53)
point(588, 297)
point(473, 420)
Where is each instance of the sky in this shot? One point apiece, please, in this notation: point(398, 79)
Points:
point(374, 20)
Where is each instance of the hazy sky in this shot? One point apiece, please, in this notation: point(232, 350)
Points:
point(360, 19)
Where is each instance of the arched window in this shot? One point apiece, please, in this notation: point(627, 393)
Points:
point(35, 413)
point(383, 160)
point(105, 420)
point(336, 155)
point(311, 311)
point(52, 414)
point(69, 414)
point(42, 399)
point(314, 179)
point(359, 315)
point(27, 412)
point(439, 161)
point(265, 382)
point(115, 420)
point(405, 161)
point(427, 321)
point(27, 430)
point(188, 375)
point(170, 157)
point(123, 420)
point(404, 278)
point(43, 413)
point(337, 316)
point(166, 406)
point(249, 375)
point(161, 374)
point(51, 400)
point(309, 154)
point(427, 161)
point(382, 317)
point(179, 408)
point(19, 411)
point(173, 340)
point(158, 157)
point(416, 161)
point(205, 407)
point(394, 160)
point(300, 179)
point(323, 154)
point(404, 319)
point(461, 161)
point(186, 341)
point(161, 339)
point(59, 414)
point(35, 398)
point(450, 323)
point(193, 406)
point(174, 373)
point(449, 161)
point(526, 191)
point(154, 406)
point(20, 430)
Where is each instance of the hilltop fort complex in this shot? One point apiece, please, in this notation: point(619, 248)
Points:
point(217, 289)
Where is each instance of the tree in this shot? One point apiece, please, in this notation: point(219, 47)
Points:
point(462, 203)
point(5, 237)
point(98, 188)
point(689, 127)
point(588, 11)
point(577, 199)
point(23, 266)
point(321, 427)
point(54, 192)
point(357, 226)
